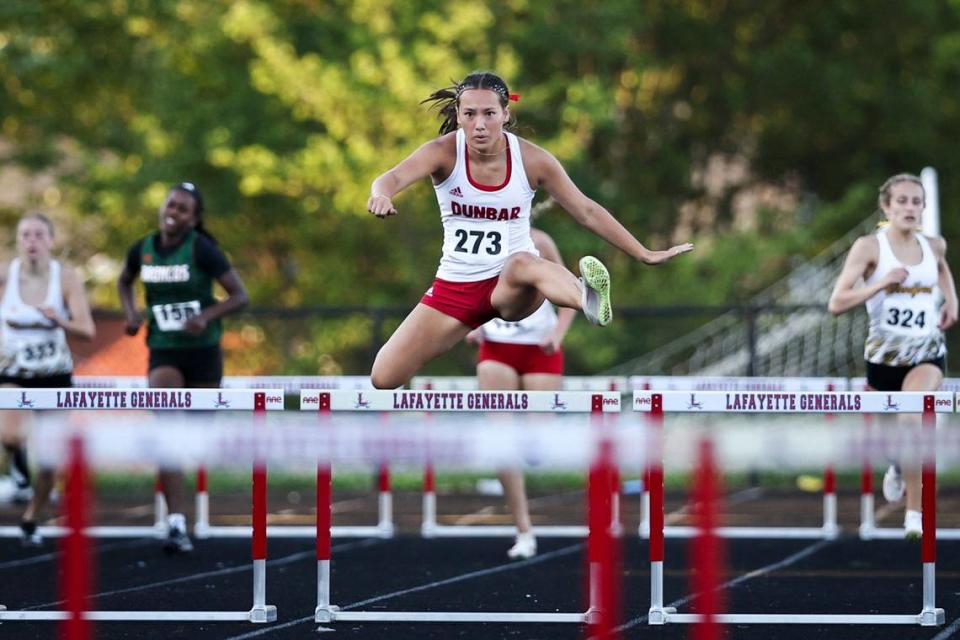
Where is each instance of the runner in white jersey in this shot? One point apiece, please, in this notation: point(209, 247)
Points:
point(42, 302)
point(528, 355)
point(485, 179)
point(905, 349)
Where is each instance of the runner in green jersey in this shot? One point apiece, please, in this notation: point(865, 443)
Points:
point(178, 266)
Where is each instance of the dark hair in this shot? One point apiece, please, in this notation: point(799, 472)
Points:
point(192, 189)
point(447, 100)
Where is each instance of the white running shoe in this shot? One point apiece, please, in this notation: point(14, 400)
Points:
point(177, 540)
point(893, 485)
point(525, 547)
point(912, 525)
point(595, 291)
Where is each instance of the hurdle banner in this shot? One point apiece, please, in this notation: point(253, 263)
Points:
point(327, 402)
point(928, 404)
point(258, 401)
point(463, 401)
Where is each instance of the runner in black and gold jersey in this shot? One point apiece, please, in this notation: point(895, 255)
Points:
point(178, 266)
point(901, 271)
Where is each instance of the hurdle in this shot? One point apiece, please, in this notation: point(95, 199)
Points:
point(929, 404)
point(597, 404)
point(257, 401)
point(202, 527)
point(827, 530)
point(868, 529)
point(430, 528)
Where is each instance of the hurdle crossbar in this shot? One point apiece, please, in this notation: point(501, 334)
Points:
point(258, 401)
point(326, 402)
point(926, 403)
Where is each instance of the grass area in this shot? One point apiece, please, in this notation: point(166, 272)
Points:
point(220, 481)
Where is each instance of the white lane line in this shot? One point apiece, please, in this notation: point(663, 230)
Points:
point(949, 631)
point(564, 551)
point(110, 546)
point(348, 546)
point(475, 517)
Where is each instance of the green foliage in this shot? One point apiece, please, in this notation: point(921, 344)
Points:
point(671, 114)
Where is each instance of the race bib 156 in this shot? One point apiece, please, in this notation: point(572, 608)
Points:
point(171, 317)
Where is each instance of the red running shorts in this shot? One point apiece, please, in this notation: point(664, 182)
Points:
point(522, 358)
point(468, 302)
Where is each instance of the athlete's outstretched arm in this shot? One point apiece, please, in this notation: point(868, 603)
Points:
point(948, 313)
point(425, 161)
point(863, 254)
point(551, 176)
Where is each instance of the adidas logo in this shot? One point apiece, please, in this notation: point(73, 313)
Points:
point(456, 192)
point(429, 292)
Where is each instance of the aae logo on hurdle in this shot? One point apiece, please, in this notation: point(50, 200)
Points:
point(24, 402)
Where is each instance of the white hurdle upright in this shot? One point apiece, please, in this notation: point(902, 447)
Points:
point(694, 385)
point(657, 404)
point(289, 385)
point(257, 401)
point(379, 401)
point(868, 522)
point(430, 528)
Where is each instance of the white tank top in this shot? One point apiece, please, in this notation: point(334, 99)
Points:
point(483, 225)
point(32, 353)
point(530, 330)
point(903, 328)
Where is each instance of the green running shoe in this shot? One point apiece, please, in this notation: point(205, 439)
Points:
point(595, 294)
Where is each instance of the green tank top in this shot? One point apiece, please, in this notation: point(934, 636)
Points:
point(176, 290)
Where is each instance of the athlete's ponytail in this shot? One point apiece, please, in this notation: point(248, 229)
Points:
point(447, 100)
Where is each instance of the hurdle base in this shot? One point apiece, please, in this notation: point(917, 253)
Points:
point(294, 531)
point(932, 617)
point(751, 533)
point(500, 531)
point(266, 613)
point(660, 615)
point(138, 616)
point(804, 618)
point(896, 533)
point(326, 614)
point(105, 531)
point(454, 616)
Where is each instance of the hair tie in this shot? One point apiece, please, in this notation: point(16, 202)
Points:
point(514, 97)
